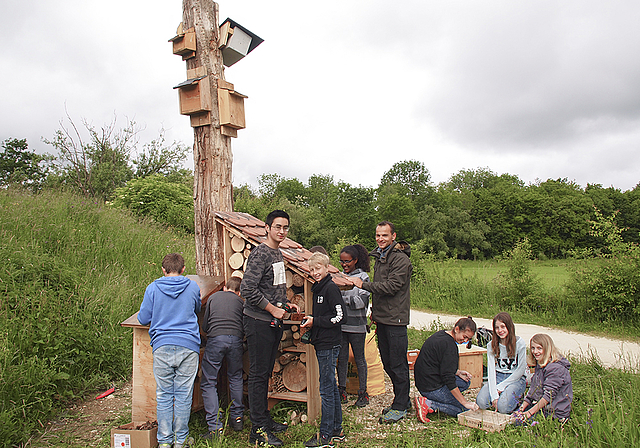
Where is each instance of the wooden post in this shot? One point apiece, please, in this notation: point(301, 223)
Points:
point(212, 155)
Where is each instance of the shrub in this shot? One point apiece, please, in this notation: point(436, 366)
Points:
point(518, 285)
point(155, 197)
point(609, 289)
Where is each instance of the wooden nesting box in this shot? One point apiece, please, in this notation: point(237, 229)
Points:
point(231, 107)
point(471, 360)
point(143, 400)
point(195, 95)
point(184, 43)
point(490, 421)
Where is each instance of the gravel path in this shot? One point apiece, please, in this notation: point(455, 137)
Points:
point(611, 352)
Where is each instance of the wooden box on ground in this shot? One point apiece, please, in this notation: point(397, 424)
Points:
point(490, 421)
point(127, 436)
point(471, 360)
point(412, 355)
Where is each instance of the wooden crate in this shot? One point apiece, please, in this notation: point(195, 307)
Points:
point(490, 421)
point(471, 360)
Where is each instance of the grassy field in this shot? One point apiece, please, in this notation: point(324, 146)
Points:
point(553, 273)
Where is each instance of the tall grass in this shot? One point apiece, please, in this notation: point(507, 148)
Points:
point(72, 270)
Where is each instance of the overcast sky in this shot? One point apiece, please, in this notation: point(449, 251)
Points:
point(540, 89)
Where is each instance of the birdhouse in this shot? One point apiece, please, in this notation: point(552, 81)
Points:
point(194, 95)
point(184, 43)
point(236, 42)
point(231, 108)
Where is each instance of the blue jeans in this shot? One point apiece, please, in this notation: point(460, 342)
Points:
point(443, 400)
point(510, 397)
point(216, 350)
point(175, 369)
point(331, 421)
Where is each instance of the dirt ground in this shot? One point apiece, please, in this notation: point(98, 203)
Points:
point(88, 423)
point(85, 423)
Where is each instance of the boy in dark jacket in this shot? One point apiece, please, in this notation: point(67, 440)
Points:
point(170, 308)
point(223, 325)
point(326, 336)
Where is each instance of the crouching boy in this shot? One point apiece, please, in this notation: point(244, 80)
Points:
point(326, 335)
point(170, 308)
point(223, 325)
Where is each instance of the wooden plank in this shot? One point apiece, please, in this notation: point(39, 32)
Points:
point(143, 396)
point(293, 396)
point(313, 374)
point(229, 132)
point(202, 119)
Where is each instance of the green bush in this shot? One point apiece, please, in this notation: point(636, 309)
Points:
point(519, 287)
point(155, 197)
point(610, 289)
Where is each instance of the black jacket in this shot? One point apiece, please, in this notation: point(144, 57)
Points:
point(391, 301)
point(328, 314)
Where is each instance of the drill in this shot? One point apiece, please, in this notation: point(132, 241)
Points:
point(277, 323)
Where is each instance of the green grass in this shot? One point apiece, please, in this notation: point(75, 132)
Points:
point(553, 273)
point(72, 270)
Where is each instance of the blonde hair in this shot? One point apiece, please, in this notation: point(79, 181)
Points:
point(550, 353)
point(318, 258)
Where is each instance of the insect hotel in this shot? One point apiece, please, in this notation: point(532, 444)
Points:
point(295, 375)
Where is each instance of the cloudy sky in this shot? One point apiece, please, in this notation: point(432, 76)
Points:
point(347, 88)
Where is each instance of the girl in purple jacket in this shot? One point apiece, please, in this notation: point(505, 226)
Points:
point(551, 391)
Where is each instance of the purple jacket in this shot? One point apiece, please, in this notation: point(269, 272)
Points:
point(553, 383)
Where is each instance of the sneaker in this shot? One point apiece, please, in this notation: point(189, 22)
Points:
point(343, 396)
point(165, 445)
point(338, 437)
point(277, 427)
point(213, 435)
point(236, 423)
point(186, 444)
point(388, 408)
point(423, 409)
point(393, 416)
point(263, 437)
point(362, 401)
point(318, 441)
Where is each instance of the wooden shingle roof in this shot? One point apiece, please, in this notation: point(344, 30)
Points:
point(253, 230)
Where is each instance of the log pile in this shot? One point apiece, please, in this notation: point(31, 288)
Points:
point(290, 370)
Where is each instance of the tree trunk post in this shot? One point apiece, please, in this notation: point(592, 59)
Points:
point(212, 157)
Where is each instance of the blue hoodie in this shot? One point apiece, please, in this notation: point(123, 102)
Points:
point(170, 308)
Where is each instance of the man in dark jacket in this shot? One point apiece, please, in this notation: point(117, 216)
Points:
point(391, 305)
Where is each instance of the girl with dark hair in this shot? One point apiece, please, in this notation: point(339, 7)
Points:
point(506, 367)
point(436, 372)
point(355, 262)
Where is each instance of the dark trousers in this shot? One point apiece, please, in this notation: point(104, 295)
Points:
point(392, 344)
point(262, 344)
point(357, 341)
point(218, 348)
point(443, 400)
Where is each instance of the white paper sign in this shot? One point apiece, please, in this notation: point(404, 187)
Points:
point(122, 441)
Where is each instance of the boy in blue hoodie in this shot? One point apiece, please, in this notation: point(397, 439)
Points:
point(170, 308)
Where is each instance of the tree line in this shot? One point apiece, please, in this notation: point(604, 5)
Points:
point(475, 214)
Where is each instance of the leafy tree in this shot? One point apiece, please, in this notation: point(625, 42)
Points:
point(19, 165)
point(159, 158)
point(410, 178)
point(97, 166)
